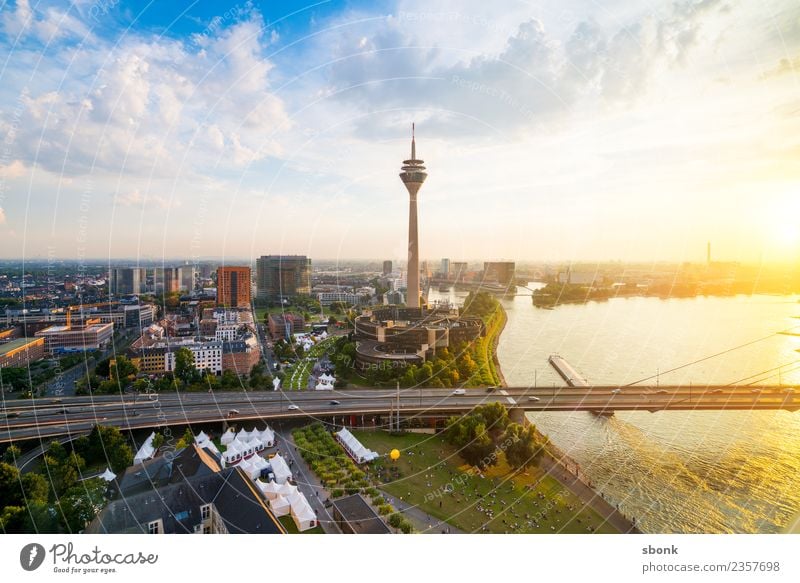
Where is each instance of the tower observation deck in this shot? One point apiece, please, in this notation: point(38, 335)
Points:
point(413, 175)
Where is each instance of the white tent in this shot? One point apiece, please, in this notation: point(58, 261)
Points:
point(232, 454)
point(208, 444)
point(276, 383)
point(200, 437)
point(249, 468)
point(268, 437)
point(227, 437)
point(256, 443)
point(286, 490)
point(302, 513)
point(327, 378)
point(280, 506)
point(354, 447)
point(243, 436)
point(259, 462)
point(323, 387)
point(280, 468)
point(146, 451)
point(108, 475)
point(271, 490)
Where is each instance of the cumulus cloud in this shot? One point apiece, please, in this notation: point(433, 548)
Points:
point(134, 198)
point(534, 77)
point(14, 169)
point(46, 25)
point(153, 104)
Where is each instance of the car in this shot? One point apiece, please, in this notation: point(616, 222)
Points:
point(788, 390)
point(615, 391)
point(534, 399)
point(233, 412)
point(292, 407)
point(716, 391)
point(335, 403)
point(755, 390)
point(491, 389)
point(459, 392)
point(662, 392)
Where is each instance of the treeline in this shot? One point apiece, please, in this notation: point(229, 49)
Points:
point(55, 499)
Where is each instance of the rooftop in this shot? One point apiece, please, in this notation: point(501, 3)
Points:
point(360, 515)
point(12, 345)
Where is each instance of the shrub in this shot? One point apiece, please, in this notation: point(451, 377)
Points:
point(406, 527)
point(385, 509)
point(378, 500)
point(337, 493)
point(396, 520)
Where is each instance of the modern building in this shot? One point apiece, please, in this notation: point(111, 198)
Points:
point(458, 271)
point(285, 325)
point(127, 281)
point(387, 267)
point(187, 275)
point(78, 338)
point(234, 286)
point(207, 355)
point(501, 272)
point(445, 269)
point(21, 352)
point(413, 175)
point(280, 277)
point(166, 280)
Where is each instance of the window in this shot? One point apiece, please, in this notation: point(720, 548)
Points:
point(153, 527)
point(205, 511)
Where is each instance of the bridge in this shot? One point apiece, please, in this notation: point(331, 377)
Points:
point(49, 418)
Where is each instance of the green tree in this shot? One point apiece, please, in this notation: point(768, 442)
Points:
point(10, 486)
point(186, 440)
point(15, 377)
point(158, 440)
point(123, 368)
point(108, 445)
point(520, 446)
point(35, 487)
point(11, 454)
point(184, 365)
point(80, 504)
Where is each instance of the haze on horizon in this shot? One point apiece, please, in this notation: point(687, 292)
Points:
point(632, 131)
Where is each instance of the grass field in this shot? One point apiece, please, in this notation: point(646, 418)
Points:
point(432, 477)
point(291, 528)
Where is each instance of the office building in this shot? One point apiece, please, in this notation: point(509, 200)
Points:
point(501, 272)
point(234, 286)
point(21, 352)
point(187, 276)
point(127, 281)
point(280, 277)
point(445, 269)
point(387, 267)
point(58, 339)
point(166, 280)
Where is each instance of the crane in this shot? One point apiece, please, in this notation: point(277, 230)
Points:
point(71, 309)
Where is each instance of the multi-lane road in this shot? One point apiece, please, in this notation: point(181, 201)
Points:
point(51, 417)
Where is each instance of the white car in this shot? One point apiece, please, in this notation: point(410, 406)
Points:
point(534, 399)
point(293, 407)
point(615, 391)
point(459, 392)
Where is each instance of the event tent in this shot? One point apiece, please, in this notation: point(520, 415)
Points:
point(302, 513)
point(271, 490)
point(227, 437)
point(354, 447)
point(280, 468)
point(286, 490)
point(108, 475)
point(280, 506)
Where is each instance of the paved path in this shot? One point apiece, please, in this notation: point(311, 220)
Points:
point(422, 521)
point(589, 496)
point(307, 481)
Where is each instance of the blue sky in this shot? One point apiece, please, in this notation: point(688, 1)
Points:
point(552, 130)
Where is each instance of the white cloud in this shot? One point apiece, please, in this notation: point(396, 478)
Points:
point(2, 216)
point(14, 169)
point(134, 198)
point(46, 25)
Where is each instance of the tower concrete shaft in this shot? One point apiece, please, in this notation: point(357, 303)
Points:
point(413, 175)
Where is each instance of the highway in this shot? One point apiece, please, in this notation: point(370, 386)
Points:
point(52, 417)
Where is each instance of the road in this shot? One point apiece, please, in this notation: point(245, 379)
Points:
point(48, 417)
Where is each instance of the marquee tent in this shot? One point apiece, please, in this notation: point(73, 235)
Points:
point(354, 447)
point(271, 490)
point(145, 452)
point(280, 468)
point(108, 475)
point(302, 513)
point(280, 506)
point(227, 437)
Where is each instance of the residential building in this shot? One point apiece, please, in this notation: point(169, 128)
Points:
point(187, 277)
point(280, 277)
point(285, 325)
point(234, 286)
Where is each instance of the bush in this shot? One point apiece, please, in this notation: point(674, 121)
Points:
point(378, 500)
point(337, 493)
point(385, 509)
point(406, 527)
point(396, 520)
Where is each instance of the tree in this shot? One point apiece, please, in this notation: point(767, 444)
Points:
point(520, 446)
point(80, 504)
point(158, 440)
point(122, 368)
point(35, 488)
point(495, 416)
point(186, 440)
point(15, 377)
point(470, 436)
point(11, 454)
point(107, 444)
point(184, 365)
point(10, 490)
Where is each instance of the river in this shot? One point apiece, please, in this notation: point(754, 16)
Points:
point(676, 472)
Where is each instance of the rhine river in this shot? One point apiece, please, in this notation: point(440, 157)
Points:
point(676, 472)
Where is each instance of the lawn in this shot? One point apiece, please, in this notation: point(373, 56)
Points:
point(433, 477)
point(291, 528)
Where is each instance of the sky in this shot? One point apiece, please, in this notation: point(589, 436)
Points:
point(551, 130)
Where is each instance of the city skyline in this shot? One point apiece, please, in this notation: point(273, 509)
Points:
point(215, 134)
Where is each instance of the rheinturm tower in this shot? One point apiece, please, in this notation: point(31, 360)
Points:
point(413, 175)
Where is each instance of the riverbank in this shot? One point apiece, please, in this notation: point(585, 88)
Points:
point(497, 369)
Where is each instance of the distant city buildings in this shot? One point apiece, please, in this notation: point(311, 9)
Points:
point(234, 286)
point(80, 338)
point(166, 280)
point(281, 277)
point(445, 269)
point(501, 272)
point(458, 271)
point(285, 325)
point(21, 351)
point(127, 281)
point(387, 267)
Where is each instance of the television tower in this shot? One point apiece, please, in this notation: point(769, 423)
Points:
point(413, 175)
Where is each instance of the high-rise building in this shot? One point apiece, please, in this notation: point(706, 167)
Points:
point(282, 276)
point(127, 281)
point(187, 277)
point(501, 272)
point(413, 175)
point(166, 280)
point(445, 267)
point(233, 286)
point(387, 267)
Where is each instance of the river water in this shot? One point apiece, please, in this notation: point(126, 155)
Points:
point(681, 472)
